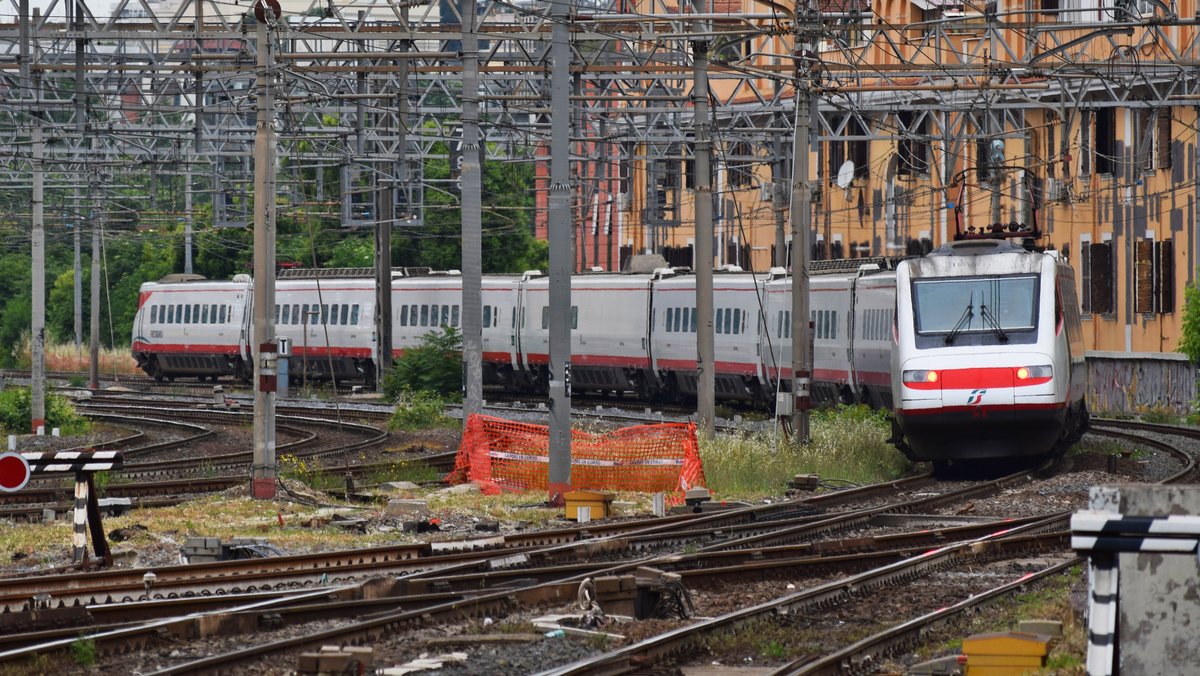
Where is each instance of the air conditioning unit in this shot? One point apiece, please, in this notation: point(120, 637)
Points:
point(623, 201)
point(766, 191)
point(1052, 190)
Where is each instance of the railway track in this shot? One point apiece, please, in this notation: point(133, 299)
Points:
point(547, 567)
point(899, 636)
point(534, 571)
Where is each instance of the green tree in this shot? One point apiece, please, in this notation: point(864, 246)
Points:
point(1189, 335)
point(434, 366)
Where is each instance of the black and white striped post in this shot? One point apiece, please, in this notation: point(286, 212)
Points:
point(84, 464)
point(1102, 536)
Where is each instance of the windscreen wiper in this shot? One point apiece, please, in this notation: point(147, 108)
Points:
point(963, 321)
point(991, 318)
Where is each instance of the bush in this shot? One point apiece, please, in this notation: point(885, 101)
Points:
point(420, 410)
point(16, 411)
point(434, 366)
point(1189, 334)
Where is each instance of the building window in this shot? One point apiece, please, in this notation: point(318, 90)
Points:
point(1106, 141)
point(1085, 144)
point(739, 163)
point(852, 145)
point(1154, 265)
point(1097, 271)
point(1145, 126)
point(1164, 138)
point(913, 148)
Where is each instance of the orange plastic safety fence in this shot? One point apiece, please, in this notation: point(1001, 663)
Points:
point(501, 454)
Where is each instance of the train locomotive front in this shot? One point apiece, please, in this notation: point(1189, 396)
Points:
point(988, 361)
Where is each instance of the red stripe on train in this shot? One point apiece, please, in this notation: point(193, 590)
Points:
point(974, 378)
point(983, 410)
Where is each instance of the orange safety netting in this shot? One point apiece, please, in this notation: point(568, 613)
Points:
point(500, 454)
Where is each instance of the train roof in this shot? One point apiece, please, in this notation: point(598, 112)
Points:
point(979, 247)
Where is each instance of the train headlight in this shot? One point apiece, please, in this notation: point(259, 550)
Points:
point(920, 376)
point(1034, 372)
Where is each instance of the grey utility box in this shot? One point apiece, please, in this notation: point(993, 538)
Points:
point(1143, 578)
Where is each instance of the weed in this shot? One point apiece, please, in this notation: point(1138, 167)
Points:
point(101, 480)
point(76, 381)
point(1160, 414)
point(83, 651)
point(16, 410)
point(420, 410)
point(848, 444)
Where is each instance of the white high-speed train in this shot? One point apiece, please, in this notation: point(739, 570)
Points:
point(911, 335)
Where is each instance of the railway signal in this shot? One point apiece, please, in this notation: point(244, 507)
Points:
point(14, 472)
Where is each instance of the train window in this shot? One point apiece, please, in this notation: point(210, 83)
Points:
point(153, 313)
point(424, 319)
point(286, 317)
point(187, 314)
point(345, 314)
point(833, 324)
point(354, 315)
point(574, 316)
point(445, 315)
point(545, 316)
point(223, 310)
point(674, 318)
point(403, 315)
point(196, 313)
point(487, 315)
point(324, 313)
point(694, 319)
point(670, 313)
point(940, 305)
point(522, 318)
point(333, 314)
point(717, 316)
point(454, 316)
point(203, 314)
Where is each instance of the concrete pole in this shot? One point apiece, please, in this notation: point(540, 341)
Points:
point(187, 221)
point(37, 369)
point(94, 283)
point(77, 221)
point(561, 258)
point(81, 128)
point(472, 219)
point(383, 256)
point(263, 471)
point(801, 209)
point(703, 200)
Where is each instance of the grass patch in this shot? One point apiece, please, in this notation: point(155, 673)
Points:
point(421, 410)
point(764, 639)
point(1050, 600)
point(65, 357)
point(1093, 446)
point(848, 444)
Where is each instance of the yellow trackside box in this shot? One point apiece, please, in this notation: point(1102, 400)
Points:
point(599, 502)
point(1009, 653)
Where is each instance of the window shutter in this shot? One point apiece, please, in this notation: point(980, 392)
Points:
point(1164, 138)
point(1143, 299)
point(1085, 277)
point(1102, 278)
point(1165, 255)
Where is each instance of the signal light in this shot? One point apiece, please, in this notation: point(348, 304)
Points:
point(1028, 372)
point(919, 376)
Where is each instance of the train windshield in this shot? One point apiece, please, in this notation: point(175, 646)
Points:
point(960, 305)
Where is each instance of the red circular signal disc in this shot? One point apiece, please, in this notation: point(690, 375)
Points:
point(14, 472)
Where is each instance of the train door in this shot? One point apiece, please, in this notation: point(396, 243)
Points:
point(245, 301)
point(852, 338)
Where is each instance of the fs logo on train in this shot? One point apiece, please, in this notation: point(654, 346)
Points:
point(976, 397)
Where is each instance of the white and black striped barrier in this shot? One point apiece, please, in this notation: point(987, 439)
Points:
point(16, 468)
point(1102, 536)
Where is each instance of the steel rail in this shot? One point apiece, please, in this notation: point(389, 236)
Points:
point(643, 654)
